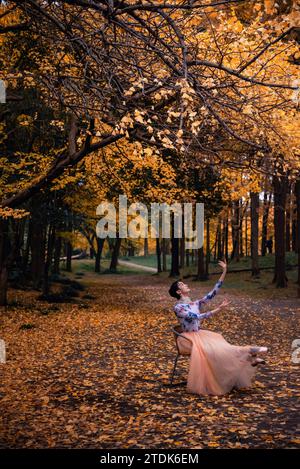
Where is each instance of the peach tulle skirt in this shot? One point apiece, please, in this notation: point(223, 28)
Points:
point(216, 366)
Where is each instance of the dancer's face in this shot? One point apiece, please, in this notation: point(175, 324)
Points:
point(183, 288)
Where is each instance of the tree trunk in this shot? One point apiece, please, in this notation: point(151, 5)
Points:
point(235, 254)
point(27, 247)
point(164, 254)
point(254, 196)
point(115, 254)
point(174, 252)
point(223, 238)
point(207, 257)
point(288, 220)
point(57, 254)
point(297, 193)
point(182, 246)
point(100, 244)
point(38, 248)
point(48, 260)
point(219, 249)
point(182, 253)
point(69, 251)
point(279, 183)
point(201, 274)
point(187, 257)
point(246, 232)
point(241, 239)
point(146, 247)
point(216, 242)
point(3, 284)
point(4, 253)
point(294, 217)
point(158, 255)
point(226, 238)
point(264, 234)
point(18, 229)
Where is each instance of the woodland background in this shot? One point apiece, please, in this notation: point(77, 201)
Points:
point(178, 101)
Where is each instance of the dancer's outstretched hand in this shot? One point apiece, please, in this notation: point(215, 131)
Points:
point(223, 265)
point(225, 303)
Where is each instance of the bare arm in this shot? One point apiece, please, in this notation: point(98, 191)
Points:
point(208, 314)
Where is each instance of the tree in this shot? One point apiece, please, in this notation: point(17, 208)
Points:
point(297, 190)
point(131, 82)
point(139, 98)
point(280, 278)
point(254, 233)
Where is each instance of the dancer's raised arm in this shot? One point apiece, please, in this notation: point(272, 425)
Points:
point(210, 295)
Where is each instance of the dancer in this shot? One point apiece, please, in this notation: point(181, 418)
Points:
point(216, 366)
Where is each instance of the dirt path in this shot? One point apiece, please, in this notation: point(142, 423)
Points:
point(94, 374)
point(138, 266)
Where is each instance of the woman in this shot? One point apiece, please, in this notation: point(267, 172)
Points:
point(216, 366)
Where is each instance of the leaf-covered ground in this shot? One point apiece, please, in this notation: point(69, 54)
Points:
point(95, 373)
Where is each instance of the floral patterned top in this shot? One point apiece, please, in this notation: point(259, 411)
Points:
point(188, 313)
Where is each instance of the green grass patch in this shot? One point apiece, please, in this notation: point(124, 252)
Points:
point(88, 265)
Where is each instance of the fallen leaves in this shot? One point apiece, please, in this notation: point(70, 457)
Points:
point(96, 377)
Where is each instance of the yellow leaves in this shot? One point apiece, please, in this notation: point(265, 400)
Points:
point(248, 109)
point(234, 24)
point(195, 126)
point(162, 94)
point(148, 151)
point(167, 143)
point(86, 377)
point(15, 213)
point(130, 91)
point(231, 409)
point(213, 444)
point(86, 382)
point(70, 176)
point(24, 120)
point(296, 441)
point(84, 408)
point(29, 81)
point(269, 6)
point(209, 82)
point(186, 97)
point(59, 124)
point(211, 13)
point(139, 116)
point(126, 122)
point(267, 438)
point(172, 113)
point(70, 428)
point(137, 84)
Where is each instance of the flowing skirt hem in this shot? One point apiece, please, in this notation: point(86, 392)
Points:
point(216, 367)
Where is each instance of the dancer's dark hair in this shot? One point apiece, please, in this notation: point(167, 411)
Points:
point(173, 289)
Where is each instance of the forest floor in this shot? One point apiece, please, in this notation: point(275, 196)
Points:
point(94, 373)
